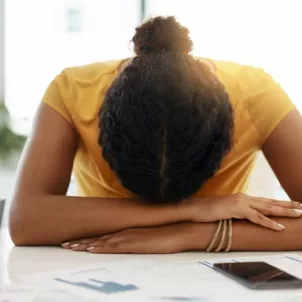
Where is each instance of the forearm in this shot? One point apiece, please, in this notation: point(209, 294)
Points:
point(248, 236)
point(51, 220)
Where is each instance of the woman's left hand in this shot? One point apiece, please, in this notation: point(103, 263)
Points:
point(156, 240)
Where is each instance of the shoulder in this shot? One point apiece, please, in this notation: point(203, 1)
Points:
point(258, 99)
point(261, 97)
point(90, 72)
point(247, 75)
point(81, 77)
point(239, 80)
point(81, 88)
point(252, 82)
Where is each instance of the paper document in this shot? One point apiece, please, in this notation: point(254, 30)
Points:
point(13, 293)
point(150, 281)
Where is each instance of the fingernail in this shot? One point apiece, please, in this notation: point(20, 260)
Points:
point(74, 245)
point(298, 211)
point(90, 249)
point(281, 226)
point(65, 244)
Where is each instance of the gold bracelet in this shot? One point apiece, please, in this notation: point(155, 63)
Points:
point(223, 237)
point(230, 236)
point(214, 239)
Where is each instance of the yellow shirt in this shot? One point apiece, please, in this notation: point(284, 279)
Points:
point(259, 104)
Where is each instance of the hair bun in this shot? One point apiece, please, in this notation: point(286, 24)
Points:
point(161, 34)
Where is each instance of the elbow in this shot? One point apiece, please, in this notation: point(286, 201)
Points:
point(20, 232)
point(30, 226)
point(19, 240)
point(21, 226)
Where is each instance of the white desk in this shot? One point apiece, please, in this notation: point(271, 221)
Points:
point(15, 261)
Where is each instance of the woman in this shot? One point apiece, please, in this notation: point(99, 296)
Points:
point(162, 145)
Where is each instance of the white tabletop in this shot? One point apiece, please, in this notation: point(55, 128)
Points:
point(15, 261)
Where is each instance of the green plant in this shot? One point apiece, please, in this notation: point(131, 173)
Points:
point(10, 142)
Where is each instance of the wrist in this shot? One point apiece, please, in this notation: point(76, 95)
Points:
point(185, 235)
point(199, 235)
point(198, 209)
point(188, 209)
point(155, 215)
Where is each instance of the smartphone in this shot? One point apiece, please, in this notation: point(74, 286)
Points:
point(258, 275)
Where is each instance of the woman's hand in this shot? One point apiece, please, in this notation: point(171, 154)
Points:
point(156, 240)
point(241, 206)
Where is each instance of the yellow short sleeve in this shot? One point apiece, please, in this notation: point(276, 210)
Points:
point(267, 104)
point(55, 97)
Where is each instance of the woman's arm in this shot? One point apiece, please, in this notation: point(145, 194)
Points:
point(41, 214)
point(182, 237)
point(283, 150)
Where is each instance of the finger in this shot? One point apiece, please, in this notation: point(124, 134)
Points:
point(103, 247)
point(111, 245)
point(68, 245)
point(107, 236)
point(276, 211)
point(85, 244)
point(79, 247)
point(82, 245)
point(258, 218)
point(65, 245)
point(104, 250)
point(282, 203)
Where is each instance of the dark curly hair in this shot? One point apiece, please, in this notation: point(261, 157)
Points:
point(166, 121)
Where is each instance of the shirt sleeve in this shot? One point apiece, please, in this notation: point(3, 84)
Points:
point(55, 97)
point(267, 104)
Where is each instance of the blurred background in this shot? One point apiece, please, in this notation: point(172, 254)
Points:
point(38, 38)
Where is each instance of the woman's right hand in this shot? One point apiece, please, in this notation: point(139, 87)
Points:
point(241, 206)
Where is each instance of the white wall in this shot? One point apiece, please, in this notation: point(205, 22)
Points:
point(264, 33)
point(38, 27)
point(1, 49)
